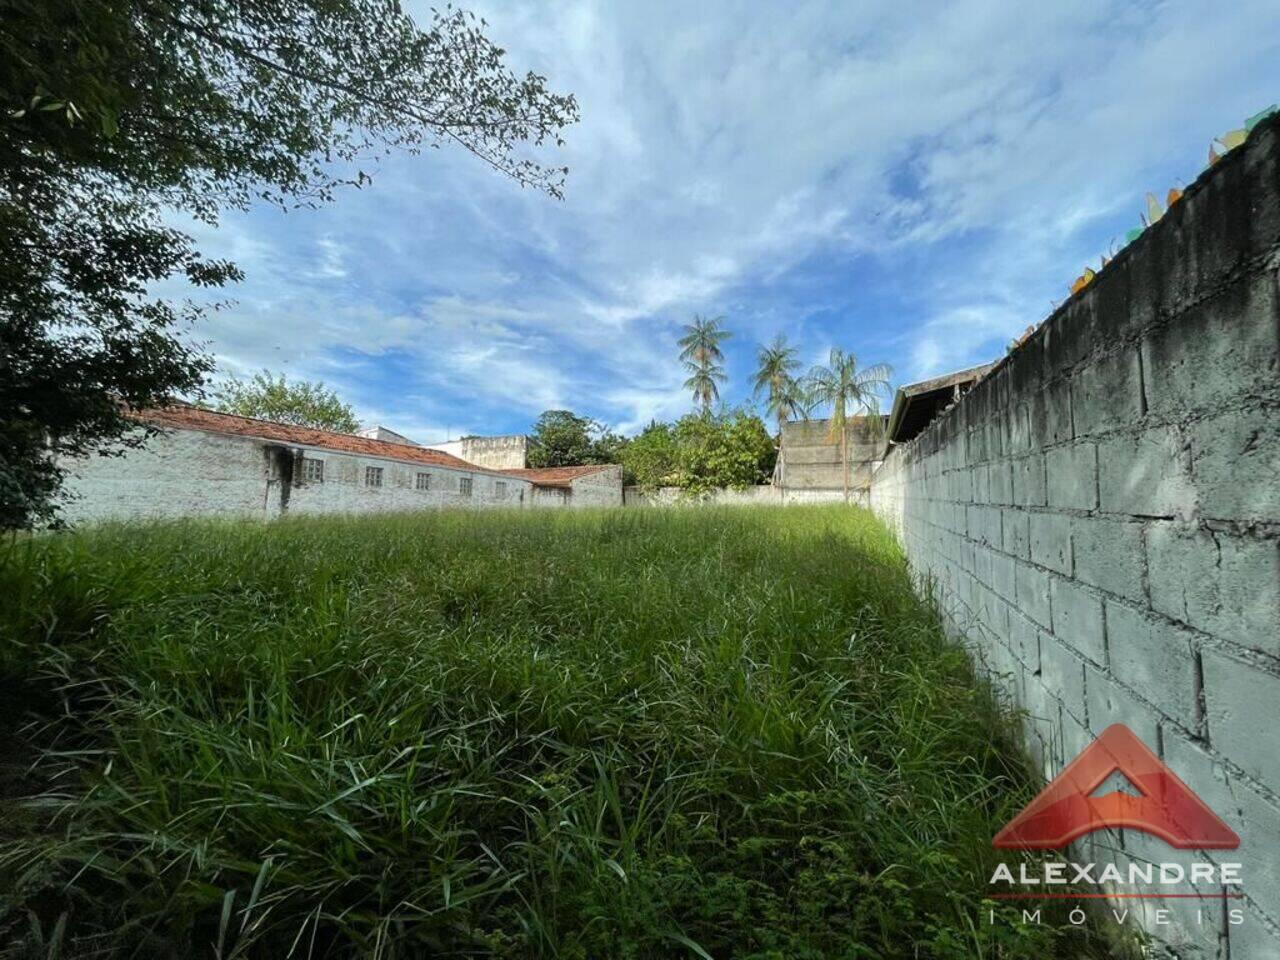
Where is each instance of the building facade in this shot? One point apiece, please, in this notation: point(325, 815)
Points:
point(201, 463)
point(810, 467)
point(510, 452)
point(592, 486)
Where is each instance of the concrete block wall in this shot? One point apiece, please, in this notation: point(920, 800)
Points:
point(1099, 520)
point(809, 457)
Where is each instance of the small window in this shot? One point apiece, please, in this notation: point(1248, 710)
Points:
point(312, 470)
point(373, 476)
point(500, 489)
point(464, 486)
point(423, 482)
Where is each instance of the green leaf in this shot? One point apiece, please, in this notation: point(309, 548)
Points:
point(225, 922)
point(692, 945)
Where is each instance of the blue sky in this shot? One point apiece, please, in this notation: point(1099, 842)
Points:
point(913, 182)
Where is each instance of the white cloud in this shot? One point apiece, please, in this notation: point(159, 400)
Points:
point(331, 264)
point(964, 158)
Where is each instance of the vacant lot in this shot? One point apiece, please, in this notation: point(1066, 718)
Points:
point(539, 734)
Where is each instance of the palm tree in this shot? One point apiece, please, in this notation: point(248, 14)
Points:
point(775, 377)
point(703, 383)
point(841, 384)
point(701, 355)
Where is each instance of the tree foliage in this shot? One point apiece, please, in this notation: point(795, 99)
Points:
point(848, 390)
point(303, 403)
point(702, 452)
point(561, 438)
point(114, 113)
point(649, 460)
point(732, 449)
point(703, 359)
point(784, 395)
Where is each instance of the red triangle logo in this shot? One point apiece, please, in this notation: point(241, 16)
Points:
point(1065, 810)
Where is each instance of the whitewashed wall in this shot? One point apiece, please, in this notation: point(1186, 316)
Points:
point(763, 495)
point(183, 473)
point(600, 489)
point(509, 452)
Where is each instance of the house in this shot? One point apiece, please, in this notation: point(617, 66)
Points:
point(574, 486)
point(915, 405)
point(203, 463)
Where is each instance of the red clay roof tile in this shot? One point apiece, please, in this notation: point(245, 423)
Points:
point(556, 476)
point(184, 417)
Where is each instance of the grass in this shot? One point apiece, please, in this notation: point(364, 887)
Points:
point(623, 734)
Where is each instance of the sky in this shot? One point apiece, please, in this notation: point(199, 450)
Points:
point(915, 183)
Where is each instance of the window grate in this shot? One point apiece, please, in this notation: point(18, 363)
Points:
point(464, 486)
point(423, 481)
point(312, 470)
point(373, 476)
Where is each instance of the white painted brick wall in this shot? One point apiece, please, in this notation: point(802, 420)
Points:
point(182, 473)
point(600, 489)
point(1122, 467)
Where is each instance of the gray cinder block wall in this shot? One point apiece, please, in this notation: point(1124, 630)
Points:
point(809, 457)
point(1099, 520)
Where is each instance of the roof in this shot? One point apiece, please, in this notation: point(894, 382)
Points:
point(916, 404)
point(183, 417)
point(556, 476)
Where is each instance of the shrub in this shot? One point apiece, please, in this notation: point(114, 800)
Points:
point(731, 449)
point(650, 458)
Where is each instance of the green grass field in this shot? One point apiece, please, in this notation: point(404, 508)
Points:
point(644, 733)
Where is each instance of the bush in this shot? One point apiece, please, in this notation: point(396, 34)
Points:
point(723, 450)
point(650, 458)
point(702, 452)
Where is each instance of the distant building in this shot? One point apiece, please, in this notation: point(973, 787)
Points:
point(917, 404)
point(509, 452)
point(203, 463)
point(574, 486)
point(379, 432)
point(809, 463)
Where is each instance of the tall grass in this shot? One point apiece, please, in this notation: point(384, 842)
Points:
point(708, 733)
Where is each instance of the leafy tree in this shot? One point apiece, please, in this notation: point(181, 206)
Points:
point(775, 378)
point(561, 438)
point(703, 359)
point(114, 112)
point(846, 388)
point(649, 459)
point(302, 402)
point(608, 446)
point(725, 450)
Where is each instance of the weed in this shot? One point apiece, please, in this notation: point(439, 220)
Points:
point(620, 734)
